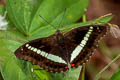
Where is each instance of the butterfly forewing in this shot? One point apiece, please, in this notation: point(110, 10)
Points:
point(43, 52)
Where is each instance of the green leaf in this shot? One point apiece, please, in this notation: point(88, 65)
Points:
point(1, 78)
point(14, 14)
point(48, 30)
point(41, 74)
point(2, 9)
point(49, 10)
point(116, 76)
point(10, 68)
point(13, 35)
point(72, 74)
point(25, 13)
point(72, 14)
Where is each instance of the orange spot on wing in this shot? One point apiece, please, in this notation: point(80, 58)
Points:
point(66, 67)
point(73, 65)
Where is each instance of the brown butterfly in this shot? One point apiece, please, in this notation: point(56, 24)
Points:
point(59, 52)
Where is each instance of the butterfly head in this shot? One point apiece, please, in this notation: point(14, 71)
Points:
point(58, 32)
point(59, 35)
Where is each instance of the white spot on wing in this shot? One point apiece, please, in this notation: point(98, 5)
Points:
point(35, 50)
point(85, 38)
point(56, 58)
point(89, 32)
point(38, 51)
point(76, 52)
point(87, 35)
point(32, 48)
point(27, 45)
point(42, 53)
point(91, 27)
point(83, 42)
point(46, 55)
point(81, 45)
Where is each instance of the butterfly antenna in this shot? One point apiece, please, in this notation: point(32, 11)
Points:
point(48, 22)
point(62, 17)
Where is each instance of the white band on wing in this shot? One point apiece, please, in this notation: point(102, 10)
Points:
point(46, 55)
point(79, 48)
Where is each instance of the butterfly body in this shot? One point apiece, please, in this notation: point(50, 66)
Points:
point(60, 51)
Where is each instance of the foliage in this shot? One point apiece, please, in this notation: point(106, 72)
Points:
point(116, 76)
point(24, 15)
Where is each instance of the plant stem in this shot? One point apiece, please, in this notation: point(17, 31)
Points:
point(100, 73)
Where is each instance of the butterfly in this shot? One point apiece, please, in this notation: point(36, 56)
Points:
point(61, 51)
